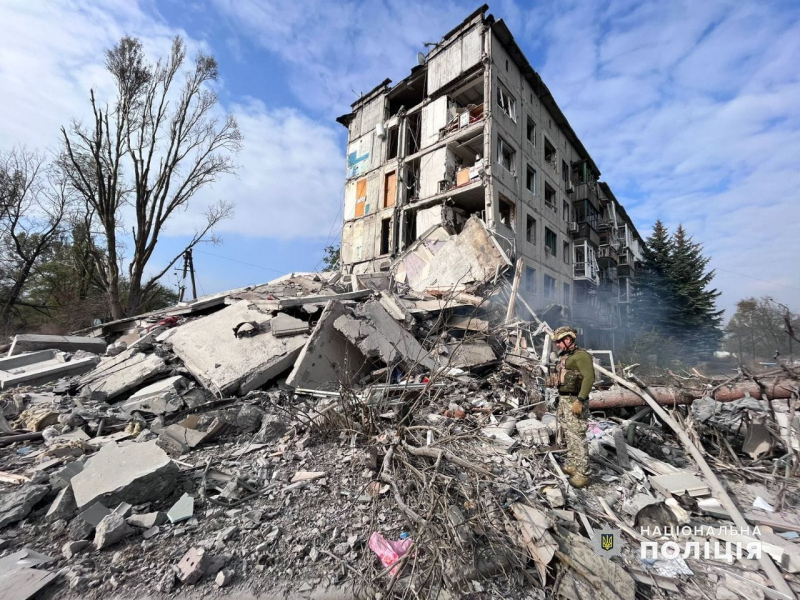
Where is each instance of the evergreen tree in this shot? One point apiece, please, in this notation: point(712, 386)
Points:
point(696, 320)
point(652, 306)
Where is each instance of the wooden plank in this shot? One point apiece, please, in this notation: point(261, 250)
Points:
point(534, 525)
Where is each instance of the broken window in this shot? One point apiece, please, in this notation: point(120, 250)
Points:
point(385, 229)
point(530, 132)
point(506, 155)
point(564, 171)
point(530, 280)
point(409, 227)
point(566, 294)
point(550, 154)
point(565, 252)
point(530, 180)
point(506, 102)
point(393, 142)
point(550, 242)
point(565, 210)
point(549, 287)
point(550, 197)
point(530, 230)
point(507, 212)
point(389, 189)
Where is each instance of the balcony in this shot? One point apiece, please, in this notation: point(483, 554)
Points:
point(587, 191)
point(585, 267)
point(584, 231)
point(607, 255)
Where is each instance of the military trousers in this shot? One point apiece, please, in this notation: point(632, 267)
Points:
point(574, 431)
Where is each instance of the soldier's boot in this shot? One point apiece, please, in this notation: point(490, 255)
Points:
point(569, 470)
point(579, 480)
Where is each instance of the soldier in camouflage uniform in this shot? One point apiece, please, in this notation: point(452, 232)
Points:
point(574, 378)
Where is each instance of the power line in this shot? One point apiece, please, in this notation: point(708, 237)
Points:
point(757, 279)
point(241, 262)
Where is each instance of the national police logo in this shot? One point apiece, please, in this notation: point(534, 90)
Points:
point(607, 542)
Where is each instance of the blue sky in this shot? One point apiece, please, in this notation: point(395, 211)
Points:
point(689, 109)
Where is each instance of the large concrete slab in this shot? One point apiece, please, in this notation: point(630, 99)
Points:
point(226, 364)
point(30, 342)
point(452, 264)
point(124, 373)
point(40, 367)
point(135, 474)
point(379, 336)
point(328, 359)
point(158, 398)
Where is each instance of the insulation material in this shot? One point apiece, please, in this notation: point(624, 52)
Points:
point(350, 200)
point(359, 156)
point(459, 56)
point(434, 117)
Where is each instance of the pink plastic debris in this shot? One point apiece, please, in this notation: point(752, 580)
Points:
point(389, 551)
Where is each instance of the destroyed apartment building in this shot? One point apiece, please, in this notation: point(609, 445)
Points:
point(473, 130)
point(387, 430)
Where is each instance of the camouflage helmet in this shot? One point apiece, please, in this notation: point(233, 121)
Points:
point(564, 331)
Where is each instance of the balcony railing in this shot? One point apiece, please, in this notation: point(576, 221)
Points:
point(586, 191)
point(585, 267)
point(608, 254)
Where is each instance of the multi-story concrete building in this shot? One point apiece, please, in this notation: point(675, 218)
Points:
point(474, 130)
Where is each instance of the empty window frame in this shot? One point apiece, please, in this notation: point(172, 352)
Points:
point(530, 280)
point(386, 227)
point(565, 210)
point(530, 230)
point(507, 212)
point(549, 287)
point(550, 242)
point(506, 156)
point(550, 197)
point(550, 153)
point(566, 294)
point(392, 143)
point(506, 102)
point(565, 252)
point(530, 132)
point(564, 171)
point(530, 180)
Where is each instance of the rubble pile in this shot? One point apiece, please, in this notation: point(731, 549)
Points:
point(314, 437)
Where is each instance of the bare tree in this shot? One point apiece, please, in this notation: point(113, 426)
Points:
point(152, 150)
point(33, 203)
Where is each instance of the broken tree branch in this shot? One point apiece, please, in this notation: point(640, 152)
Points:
point(766, 562)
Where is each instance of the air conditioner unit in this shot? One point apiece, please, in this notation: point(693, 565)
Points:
point(570, 187)
point(573, 227)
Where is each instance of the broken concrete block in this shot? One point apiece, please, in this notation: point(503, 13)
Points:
point(63, 507)
point(70, 549)
point(182, 510)
point(136, 473)
point(679, 484)
point(272, 427)
point(467, 355)
point(328, 358)
point(757, 440)
point(79, 530)
point(17, 503)
point(283, 325)
point(229, 365)
point(126, 374)
point(193, 565)
point(177, 440)
point(224, 577)
point(111, 529)
point(248, 419)
point(68, 343)
point(41, 367)
point(152, 532)
point(158, 398)
point(373, 331)
point(94, 514)
point(147, 520)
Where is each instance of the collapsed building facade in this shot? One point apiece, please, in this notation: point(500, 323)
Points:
point(473, 130)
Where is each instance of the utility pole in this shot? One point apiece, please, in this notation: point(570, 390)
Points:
point(188, 265)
